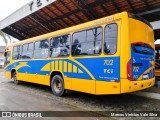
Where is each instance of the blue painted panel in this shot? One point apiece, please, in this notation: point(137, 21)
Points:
point(83, 75)
point(106, 69)
point(10, 67)
point(141, 61)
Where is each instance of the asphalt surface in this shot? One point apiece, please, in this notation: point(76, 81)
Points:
point(33, 97)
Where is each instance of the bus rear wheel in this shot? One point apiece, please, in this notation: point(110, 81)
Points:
point(57, 86)
point(14, 77)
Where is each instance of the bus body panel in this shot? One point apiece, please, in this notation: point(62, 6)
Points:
point(104, 75)
point(77, 75)
point(141, 63)
point(131, 86)
point(142, 39)
point(7, 74)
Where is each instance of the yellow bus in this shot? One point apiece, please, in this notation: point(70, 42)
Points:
point(111, 55)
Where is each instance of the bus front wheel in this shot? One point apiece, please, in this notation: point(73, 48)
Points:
point(14, 77)
point(57, 85)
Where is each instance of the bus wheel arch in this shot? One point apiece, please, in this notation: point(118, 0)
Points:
point(14, 76)
point(57, 83)
point(12, 73)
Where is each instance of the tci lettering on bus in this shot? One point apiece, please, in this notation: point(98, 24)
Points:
point(109, 71)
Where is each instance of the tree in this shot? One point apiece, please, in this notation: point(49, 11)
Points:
point(5, 37)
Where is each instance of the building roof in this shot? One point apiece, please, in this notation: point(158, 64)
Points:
point(37, 18)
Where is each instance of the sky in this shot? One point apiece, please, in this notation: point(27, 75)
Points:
point(7, 7)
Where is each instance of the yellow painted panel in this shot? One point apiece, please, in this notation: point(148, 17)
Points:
point(103, 87)
point(67, 83)
point(46, 67)
point(46, 80)
point(79, 71)
point(7, 75)
point(20, 76)
point(131, 86)
point(34, 78)
point(23, 63)
point(23, 77)
point(69, 67)
point(53, 65)
point(64, 66)
point(40, 79)
point(82, 85)
point(74, 69)
point(60, 65)
point(57, 64)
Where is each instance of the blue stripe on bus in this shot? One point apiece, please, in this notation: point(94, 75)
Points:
point(96, 66)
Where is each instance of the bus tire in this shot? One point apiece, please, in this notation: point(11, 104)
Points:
point(57, 86)
point(14, 77)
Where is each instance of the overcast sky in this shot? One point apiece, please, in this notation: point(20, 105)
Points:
point(7, 7)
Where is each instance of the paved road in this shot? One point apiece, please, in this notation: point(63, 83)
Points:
point(32, 97)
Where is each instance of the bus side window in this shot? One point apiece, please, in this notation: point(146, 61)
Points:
point(17, 52)
point(76, 47)
point(27, 51)
point(87, 42)
point(110, 44)
point(41, 49)
point(60, 46)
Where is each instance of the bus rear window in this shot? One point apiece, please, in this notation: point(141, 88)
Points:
point(142, 48)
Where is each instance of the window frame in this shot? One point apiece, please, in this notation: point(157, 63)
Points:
point(116, 38)
point(34, 48)
point(88, 41)
point(69, 45)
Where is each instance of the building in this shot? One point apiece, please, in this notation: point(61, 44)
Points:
point(2, 50)
point(43, 16)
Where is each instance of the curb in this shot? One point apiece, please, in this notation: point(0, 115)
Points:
point(148, 95)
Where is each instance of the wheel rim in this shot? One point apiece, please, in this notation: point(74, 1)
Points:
point(57, 86)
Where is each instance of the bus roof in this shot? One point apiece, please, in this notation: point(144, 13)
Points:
point(71, 29)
